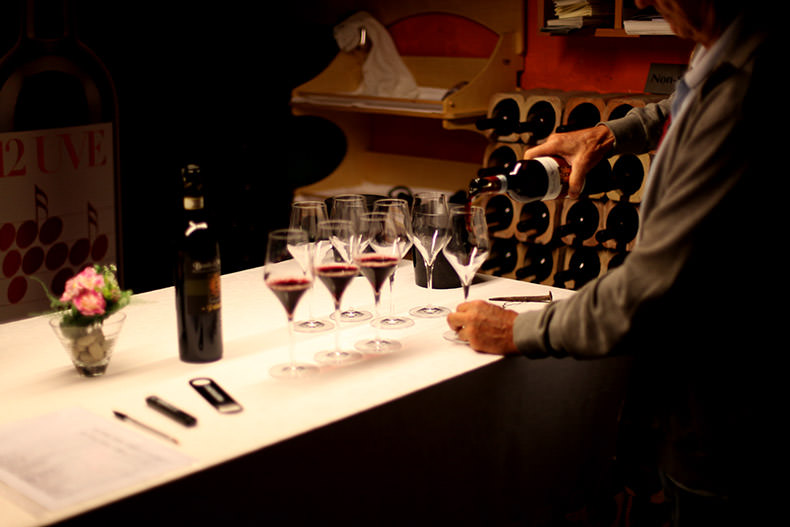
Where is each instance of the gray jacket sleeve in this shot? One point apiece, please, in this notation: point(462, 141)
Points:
point(601, 315)
point(641, 128)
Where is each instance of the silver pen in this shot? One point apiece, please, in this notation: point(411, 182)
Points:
point(123, 417)
point(539, 298)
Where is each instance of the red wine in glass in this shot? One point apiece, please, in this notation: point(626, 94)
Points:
point(377, 269)
point(288, 291)
point(336, 278)
point(288, 280)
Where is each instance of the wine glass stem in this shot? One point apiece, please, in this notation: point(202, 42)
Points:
point(376, 304)
point(466, 291)
point(310, 303)
point(392, 294)
point(429, 276)
point(291, 340)
point(337, 327)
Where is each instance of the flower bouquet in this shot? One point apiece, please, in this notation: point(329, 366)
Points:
point(89, 320)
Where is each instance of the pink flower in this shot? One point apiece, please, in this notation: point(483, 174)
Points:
point(87, 280)
point(90, 303)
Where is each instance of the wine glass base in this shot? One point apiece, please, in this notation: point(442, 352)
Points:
point(378, 346)
point(313, 326)
point(429, 311)
point(337, 358)
point(392, 322)
point(354, 315)
point(452, 336)
point(296, 370)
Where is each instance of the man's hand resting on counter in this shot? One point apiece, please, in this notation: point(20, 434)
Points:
point(487, 328)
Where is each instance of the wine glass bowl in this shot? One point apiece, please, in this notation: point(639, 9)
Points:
point(286, 276)
point(467, 248)
point(397, 210)
point(430, 233)
point(335, 267)
point(350, 207)
point(377, 256)
point(306, 215)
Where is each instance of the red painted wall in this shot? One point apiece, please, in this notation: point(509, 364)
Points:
point(601, 64)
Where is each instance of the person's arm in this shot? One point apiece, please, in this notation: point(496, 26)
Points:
point(637, 132)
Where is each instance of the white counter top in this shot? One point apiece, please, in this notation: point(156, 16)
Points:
point(36, 376)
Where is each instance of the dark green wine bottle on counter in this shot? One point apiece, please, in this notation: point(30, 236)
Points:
point(198, 277)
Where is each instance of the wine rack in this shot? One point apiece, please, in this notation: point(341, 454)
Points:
point(546, 241)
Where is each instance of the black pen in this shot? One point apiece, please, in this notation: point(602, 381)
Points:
point(178, 415)
point(123, 417)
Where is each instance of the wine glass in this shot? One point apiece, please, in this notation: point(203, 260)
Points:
point(377, 256)
point(305, 215)
point(350, 207)
point(335, 267)
point(398, 210)
point(467, 248)
point(287, 277)
point(430, 234)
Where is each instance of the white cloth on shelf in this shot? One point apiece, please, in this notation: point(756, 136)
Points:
point(384, 73)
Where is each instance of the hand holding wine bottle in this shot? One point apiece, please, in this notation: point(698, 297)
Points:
point(581, 149)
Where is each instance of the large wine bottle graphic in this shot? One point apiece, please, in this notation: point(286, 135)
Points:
point(58, 160)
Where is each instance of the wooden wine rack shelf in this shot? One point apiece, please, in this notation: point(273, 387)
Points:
point(608, 253)
point(469, 83)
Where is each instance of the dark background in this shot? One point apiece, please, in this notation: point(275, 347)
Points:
point(207, 83)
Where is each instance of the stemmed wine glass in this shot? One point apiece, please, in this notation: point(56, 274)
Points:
point(398, 210)
point(467, 248)
point(350, 207)
point(430, 234)
point(305, 215)
point(377, 257)
point(288, 279)
point(335, 267)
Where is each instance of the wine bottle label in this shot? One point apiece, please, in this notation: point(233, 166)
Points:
point(202, 287)
point(57, 211)
point(554, 175)
point(193, 202)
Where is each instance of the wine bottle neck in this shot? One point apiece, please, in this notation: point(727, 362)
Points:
point(47, 20)
point(487, 185)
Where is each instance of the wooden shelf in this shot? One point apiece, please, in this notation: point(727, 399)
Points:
point(459, 91)
point(546, 7)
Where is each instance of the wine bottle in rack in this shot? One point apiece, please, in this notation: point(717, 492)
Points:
point(540, 122)
point(583, 115)
point(582, 221)
point(503, 257)
point(542, 178)
point(499, 213)
point(499, 159)
point(621, 226)
point(614, 259)
point(584, 265)
point(628, 172)
point(503, 119)
point(538, 263)
point(58, 158)
point(197, 283)
point(533, 220)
